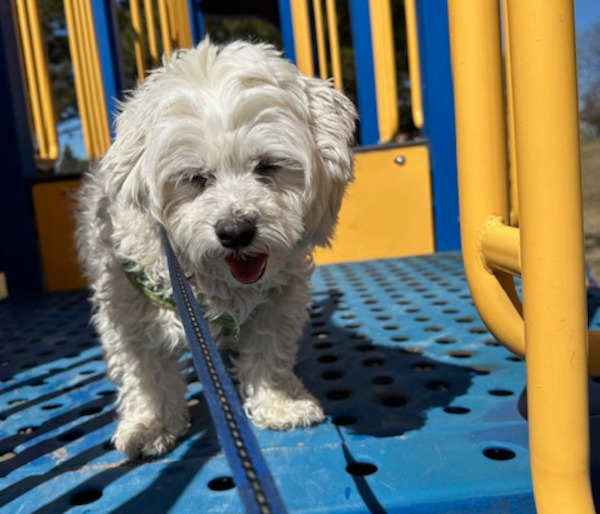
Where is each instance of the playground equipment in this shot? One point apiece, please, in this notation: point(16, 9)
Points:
point(426, 411)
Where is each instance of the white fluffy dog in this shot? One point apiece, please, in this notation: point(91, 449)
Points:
point(245, 162)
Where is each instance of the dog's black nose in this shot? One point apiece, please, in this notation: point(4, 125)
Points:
point(235, 235)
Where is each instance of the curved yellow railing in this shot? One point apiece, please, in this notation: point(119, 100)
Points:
point(481, 150)
point(38, 79)
point(547, 248)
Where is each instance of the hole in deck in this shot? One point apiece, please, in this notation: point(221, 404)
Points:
point(361, 469)
point(86, 496)
point(500, 392)
point(221, 484)
point(456, 410)
point(496, 453)
point(71, 435)
point(6, 455)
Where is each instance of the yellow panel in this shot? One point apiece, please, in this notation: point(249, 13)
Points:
point(55, 212)
point(388, 210)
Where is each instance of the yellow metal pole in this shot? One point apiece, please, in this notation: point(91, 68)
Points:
point(43, 80)
point(96, 90)
point(165, 26)
point(500, 245)
point(138, 39)
point(385, 69)
point(302, 38)
point(78, 71)
point(414, 63)
point(151, 28)
point(30, 71)
point(482, 166)
point(320, 33)
point(547, 144)
point(334, 44)
point(512, 155)
point(186, 29)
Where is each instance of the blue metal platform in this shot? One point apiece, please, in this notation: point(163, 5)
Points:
point(424, 408)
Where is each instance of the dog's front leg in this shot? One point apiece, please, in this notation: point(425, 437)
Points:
point(151, 407)
point(274, 397)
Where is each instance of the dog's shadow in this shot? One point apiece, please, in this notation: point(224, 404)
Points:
point(373, 388)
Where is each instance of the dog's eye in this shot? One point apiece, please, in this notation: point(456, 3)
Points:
point(198, 180)
point(266, 168)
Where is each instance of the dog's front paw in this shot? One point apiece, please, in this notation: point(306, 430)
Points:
point(148, 438)
point(278, 410)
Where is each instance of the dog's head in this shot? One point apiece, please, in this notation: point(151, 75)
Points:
point(242, 157)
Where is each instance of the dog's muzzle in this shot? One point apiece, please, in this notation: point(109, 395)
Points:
point(248, 267)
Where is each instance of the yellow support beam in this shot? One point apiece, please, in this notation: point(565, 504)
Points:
point(152, 37)
point(138, 39)
point(38, 79)
point(547, 145)
point(320, 36)
point(414, 63)
point(385, 69)
point(334, 44)
point(302, 37)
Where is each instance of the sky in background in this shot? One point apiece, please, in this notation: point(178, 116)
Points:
point(587, 12)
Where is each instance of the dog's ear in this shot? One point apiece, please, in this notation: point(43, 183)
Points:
point(332, 123)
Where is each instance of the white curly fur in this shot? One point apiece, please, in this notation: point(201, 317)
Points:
point(190, 150)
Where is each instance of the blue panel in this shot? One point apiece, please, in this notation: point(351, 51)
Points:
point(18, 246)
point(287, 29)
point(365, 71)
point(196, 20)
point(106, 27)
point(438, 105)
point(425, 409)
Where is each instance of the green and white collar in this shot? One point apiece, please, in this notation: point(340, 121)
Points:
point(155, 292)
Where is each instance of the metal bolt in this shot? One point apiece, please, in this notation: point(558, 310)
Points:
point(400, 160)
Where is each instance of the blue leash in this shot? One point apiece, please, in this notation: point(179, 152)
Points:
point(250, 472)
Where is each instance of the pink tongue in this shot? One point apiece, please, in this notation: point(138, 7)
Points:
point(248, 268)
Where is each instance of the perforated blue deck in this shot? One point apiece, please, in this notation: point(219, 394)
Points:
point(423, 408)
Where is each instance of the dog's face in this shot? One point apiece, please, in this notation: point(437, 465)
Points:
point(240, 156)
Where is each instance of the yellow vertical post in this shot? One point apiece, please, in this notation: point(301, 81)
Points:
point(334, 44)
point(302, 37)
point(151, 28)
point(482, 165)
point(510, 116)
point(138, 39)
point(320, 34)
point(414, 63)
point(165, 26)
point(43, 78)
point(385, 68)
point(547, 144)
point(30, 69)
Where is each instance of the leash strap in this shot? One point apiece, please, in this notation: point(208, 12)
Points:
point(250, 472)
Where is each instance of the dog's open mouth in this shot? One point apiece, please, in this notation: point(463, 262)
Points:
point(247, 269)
